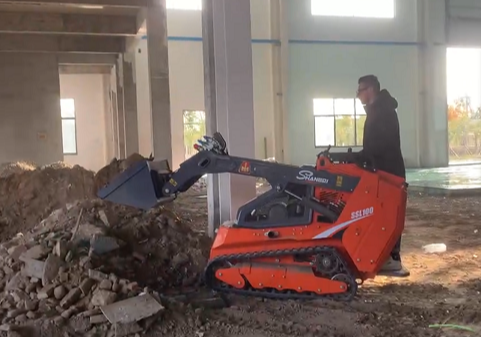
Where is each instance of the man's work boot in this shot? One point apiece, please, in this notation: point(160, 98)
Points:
point(394, 267)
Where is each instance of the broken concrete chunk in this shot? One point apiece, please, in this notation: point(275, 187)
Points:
point(15, 252)
point(103, 297)
point(19, 296)
point(33, 268)
point(86, 285)
point(86, 231)
point(132, 310)
point(72, 297)
point(46, 292)
point(97, 319)
point(15, 312)
point(51, 268)
point(14, 282)
point(122, 330)
point(14, 333)
point(32, 315)
point(63, 276)
point(180, 259)
point(69, 256)
point(30, 305)
point(60, 292)
point(36, 252)
point(7, 327)
point(105, 285)
point(100, 244)
point(103, 218)
point(83, 261)
point(7, 270)
point(61, 249)
point(97, 275)
point(69, 312)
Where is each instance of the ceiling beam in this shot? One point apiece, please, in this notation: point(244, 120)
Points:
point(91, 59)
point(61, 43)
point(84, 69)
point(96, 3)
point(18, 22)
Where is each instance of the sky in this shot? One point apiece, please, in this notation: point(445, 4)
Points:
point(464, 74)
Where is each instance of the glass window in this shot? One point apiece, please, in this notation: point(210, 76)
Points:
point(376, 9)
point(69, 128)
point(338, 122)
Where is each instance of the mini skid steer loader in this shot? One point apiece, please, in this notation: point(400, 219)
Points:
point(320, 231)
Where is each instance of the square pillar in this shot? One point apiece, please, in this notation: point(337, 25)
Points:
point(432, 130)
point(115, 111)
point(229, 99)
point(158, 69)
point(130, 105)
point(120, 107)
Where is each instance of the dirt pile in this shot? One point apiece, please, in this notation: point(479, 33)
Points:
point(8, 169)
point(116, 166)
point(91, 267)
point(29, 196)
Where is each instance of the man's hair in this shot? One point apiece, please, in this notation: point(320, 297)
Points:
point(371, 81)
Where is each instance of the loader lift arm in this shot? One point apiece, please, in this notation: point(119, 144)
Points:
point(213, 158)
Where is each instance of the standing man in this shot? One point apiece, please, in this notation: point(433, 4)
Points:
point(382, 146)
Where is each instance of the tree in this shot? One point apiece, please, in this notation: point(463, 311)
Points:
point(194, 129)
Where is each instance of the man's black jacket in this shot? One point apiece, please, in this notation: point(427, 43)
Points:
point(382, 140)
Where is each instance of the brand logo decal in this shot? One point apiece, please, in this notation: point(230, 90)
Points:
point(305, 175)
point(245, 167)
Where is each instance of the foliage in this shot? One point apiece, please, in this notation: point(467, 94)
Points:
point(194, 129)
point(349, 130)
point(464, 128)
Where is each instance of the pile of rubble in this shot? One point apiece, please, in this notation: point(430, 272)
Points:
point(93, 267)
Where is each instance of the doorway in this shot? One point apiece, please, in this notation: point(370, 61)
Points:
point(464, 104)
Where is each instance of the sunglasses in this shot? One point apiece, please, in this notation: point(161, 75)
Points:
point(361, 90)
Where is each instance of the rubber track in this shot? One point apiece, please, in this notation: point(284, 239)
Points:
point(212, 282)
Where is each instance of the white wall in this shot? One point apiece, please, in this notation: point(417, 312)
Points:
point(327, 56)
point(30, 127)
point(88, 92)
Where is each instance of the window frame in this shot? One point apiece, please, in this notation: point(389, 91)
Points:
point(74, 119)
point(169, 5)
point(333, 115)
point(394, 12)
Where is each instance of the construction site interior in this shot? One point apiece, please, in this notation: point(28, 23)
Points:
point(91, 87)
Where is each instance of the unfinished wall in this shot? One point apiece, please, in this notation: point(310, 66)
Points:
point(30, 127)
point(88, 92)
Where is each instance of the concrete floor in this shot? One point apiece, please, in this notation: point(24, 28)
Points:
point(454, 177)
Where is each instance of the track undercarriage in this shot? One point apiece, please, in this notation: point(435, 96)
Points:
point(319, 272)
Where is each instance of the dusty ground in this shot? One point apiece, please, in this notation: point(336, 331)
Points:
point(443, 288)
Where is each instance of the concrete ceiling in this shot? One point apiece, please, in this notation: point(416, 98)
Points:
point(88, 26)
point(68, 8)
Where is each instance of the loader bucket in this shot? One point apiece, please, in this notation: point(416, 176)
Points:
point(135, 187)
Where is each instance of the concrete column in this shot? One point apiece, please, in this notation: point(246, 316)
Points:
point(213, 194)
point(230, 83)
point(279, 31)
point(158, 63)
point(130, 105)
point(432, 135)
point(120, 107)
point(115, 111)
